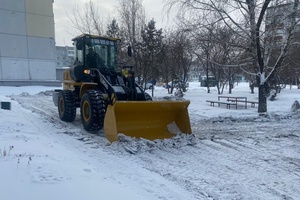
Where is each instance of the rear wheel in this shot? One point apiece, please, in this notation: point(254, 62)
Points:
point(66, 106)
point(92, 110)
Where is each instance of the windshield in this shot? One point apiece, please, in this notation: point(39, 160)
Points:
point(100, 53)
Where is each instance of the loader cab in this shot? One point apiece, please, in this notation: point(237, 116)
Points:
point(95, 52)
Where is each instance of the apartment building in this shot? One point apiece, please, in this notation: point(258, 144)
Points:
point(27, 43)
point(278, 21)
point(64, 56)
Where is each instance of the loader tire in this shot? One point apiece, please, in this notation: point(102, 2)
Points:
point(148, 97)
point(92, 110)
point(66, 106)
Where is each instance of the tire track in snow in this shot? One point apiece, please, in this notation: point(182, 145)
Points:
point(261, 166)
point(233, 160)
point(121, 163)
point(44, 106)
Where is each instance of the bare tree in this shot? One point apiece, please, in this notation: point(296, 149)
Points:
point(290, 73)
point(176, 58)
point(132, 21)
point(216, 47)
point(166, 60)
point(86, 19)
point(246, 17)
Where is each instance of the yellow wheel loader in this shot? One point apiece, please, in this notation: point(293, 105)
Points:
point(110, 99)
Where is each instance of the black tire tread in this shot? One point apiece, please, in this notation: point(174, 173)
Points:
point(98, 110)
point(69, 114)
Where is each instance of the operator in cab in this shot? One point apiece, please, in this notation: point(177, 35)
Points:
point(93, 60)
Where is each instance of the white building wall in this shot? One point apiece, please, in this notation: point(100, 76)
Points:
point(12, 22)
point(27, 46)
point(41, 48)
point(15, 69)
point(41, 73)
point(0, 68)
point(17, 5)
point(13, 46)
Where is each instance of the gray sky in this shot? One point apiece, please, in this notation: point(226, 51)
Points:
point(62, 8)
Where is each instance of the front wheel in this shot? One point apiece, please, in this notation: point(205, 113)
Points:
point(93, 110)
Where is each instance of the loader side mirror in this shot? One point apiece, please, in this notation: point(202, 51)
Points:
point(129, 51)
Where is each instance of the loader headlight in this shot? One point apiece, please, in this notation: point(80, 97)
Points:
point(86, 71)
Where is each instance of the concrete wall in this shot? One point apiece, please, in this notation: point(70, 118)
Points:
point(27, 46)
point(16, 5)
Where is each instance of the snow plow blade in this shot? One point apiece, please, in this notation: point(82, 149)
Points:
point(147, 119)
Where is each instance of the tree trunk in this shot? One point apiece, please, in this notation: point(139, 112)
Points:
point(230, 87)
point(252, 85)
point(262, 99)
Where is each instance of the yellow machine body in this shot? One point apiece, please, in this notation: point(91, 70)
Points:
point(146, 119)
point(110, 99)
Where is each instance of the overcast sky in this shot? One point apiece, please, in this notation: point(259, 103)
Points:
point(62, 8)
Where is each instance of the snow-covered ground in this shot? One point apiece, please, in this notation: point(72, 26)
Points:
point(233, 154)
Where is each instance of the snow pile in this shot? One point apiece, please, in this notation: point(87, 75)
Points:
point(134, 145)
point(141, 145)
point(296, 106)
point(46, 93)
point(232, 153)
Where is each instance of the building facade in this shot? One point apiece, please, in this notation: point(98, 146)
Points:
point(27, 43)
point(64, 56)
point(278, 22)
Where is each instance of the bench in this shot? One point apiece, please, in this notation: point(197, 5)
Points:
point(251, 102)
point(234, 99)
point(228, 104)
